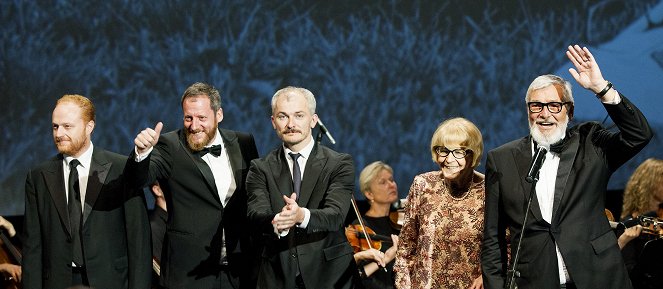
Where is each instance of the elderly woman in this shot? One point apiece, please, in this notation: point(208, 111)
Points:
point(440, 241)
point(376, 182)
point(643, 196)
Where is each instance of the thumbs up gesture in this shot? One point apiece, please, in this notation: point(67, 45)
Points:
point(147, 138)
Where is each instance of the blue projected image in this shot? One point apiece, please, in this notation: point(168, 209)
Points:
point(385, 73)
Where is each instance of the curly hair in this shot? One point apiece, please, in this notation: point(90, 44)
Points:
point(641, 186)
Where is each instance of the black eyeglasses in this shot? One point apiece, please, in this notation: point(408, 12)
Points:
point(553, 107)
point(457, 153)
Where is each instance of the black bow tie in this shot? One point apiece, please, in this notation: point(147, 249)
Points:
point(557, 147)
point(215, 150)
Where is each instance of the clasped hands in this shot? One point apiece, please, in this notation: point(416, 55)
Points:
point(290, 215)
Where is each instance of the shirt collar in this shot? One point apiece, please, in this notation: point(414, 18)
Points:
point(217, 140)
point(305, 152)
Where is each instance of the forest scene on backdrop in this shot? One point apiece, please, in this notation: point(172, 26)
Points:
point(385, 73)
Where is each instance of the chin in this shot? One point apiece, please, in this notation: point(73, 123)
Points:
point(550, 136)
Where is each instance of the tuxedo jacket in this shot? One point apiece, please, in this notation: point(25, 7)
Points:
point(320, 253)
point(579, 225)
point(191, 251)
point(115, 232)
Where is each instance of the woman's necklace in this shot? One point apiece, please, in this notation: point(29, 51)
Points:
point(460, 193)
point(461, 196)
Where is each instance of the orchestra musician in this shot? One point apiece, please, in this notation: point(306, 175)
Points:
point(376, 182)
point(643, 196)
point(11, 272)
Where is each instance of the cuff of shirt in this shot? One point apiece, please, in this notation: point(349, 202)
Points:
point(140, 158)
point(616, 100)
point(307, 217)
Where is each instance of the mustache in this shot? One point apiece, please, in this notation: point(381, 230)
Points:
point(190, 131)
point(290, 131)
point(61, 138)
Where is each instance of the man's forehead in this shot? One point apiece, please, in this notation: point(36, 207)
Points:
point(548, 93)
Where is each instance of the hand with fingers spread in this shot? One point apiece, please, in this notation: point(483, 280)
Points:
point(586, 71)
point(147, 138)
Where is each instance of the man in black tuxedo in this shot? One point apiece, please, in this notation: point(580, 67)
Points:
point(567, 241)
point(201, 169)
point(299, 196)
point(84, 223)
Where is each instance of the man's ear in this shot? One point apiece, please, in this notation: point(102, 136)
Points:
point(219, 115)
point(89, 127)
point(314, 120)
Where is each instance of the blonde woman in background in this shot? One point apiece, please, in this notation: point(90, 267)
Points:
point(643, 196)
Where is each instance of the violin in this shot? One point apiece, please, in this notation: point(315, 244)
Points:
point(9, 283)
point(651, 226)
point(364, 231)
point(364, 238)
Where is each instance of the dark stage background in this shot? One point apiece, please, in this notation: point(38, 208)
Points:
point(385, 73)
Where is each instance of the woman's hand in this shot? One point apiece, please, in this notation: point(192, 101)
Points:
point(371, 255)
point(628, 235)
point(477, 283)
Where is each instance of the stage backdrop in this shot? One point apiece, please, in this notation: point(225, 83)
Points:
point(385, 73)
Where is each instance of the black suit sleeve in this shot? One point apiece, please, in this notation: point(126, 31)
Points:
point(337, 198)
point(259, 210)
point(493, 248)
point(634, 133)
point(139, 248)
point(32, 249)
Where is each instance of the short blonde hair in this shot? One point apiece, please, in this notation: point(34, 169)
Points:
point(308, 95)
point(458, 131)
point(641, 186)
point(87, 108)
point(369, 173)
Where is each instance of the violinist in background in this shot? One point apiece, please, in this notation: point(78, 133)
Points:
point(643, 196)
point(440, 241)
point(376, 182)
point(10, 271)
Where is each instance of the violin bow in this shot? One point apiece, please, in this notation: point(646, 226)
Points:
point(12, 249)
point(361, 224)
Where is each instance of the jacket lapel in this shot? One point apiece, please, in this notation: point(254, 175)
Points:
point(566, 160)
point(314, 166)
point(234, 153)
point(523, 158)
point(202, 167)
point(281, 174)
point(99, 168)
point(54, 179)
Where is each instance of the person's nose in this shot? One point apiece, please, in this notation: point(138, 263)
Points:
point(545, 113)
point(194, 124)
point(290, 123)
point(59, 131)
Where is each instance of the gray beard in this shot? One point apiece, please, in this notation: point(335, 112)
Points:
point(547, 140)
